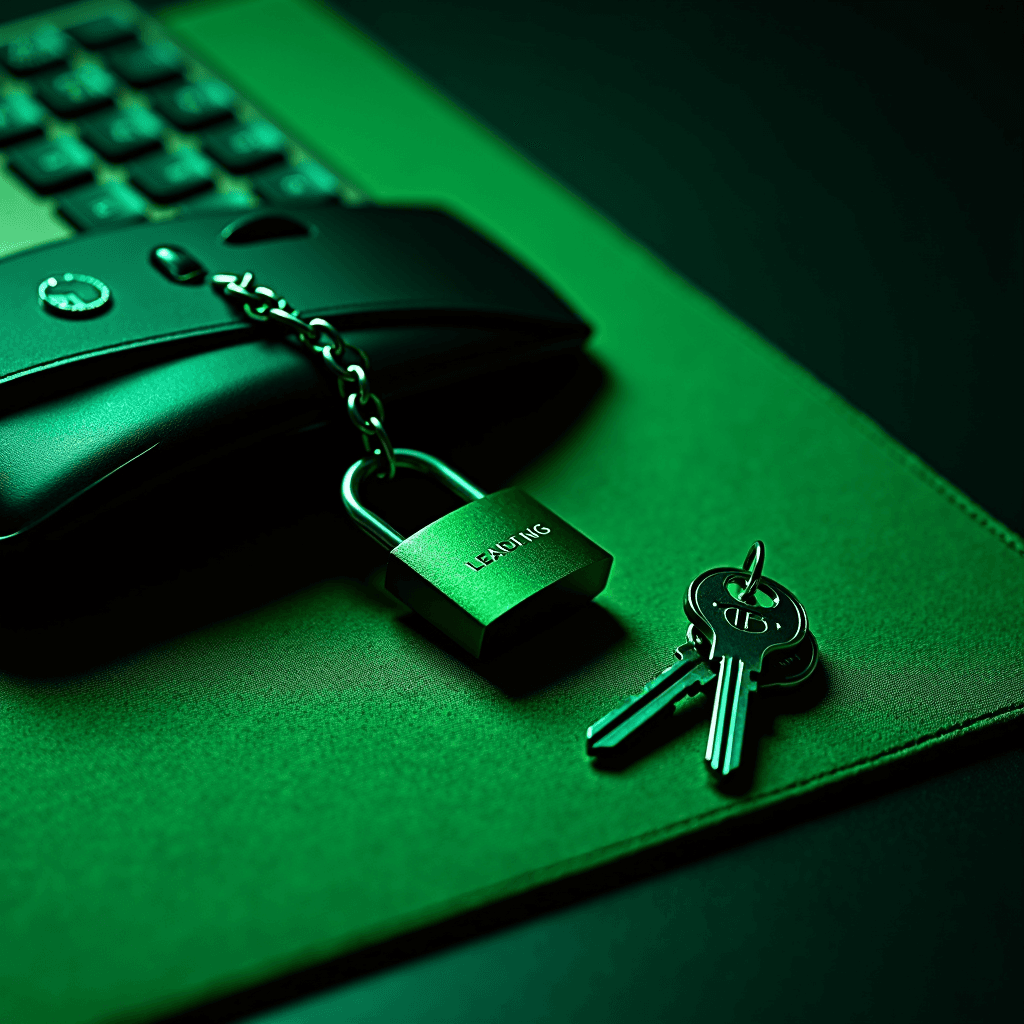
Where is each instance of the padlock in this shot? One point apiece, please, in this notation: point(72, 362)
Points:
point(489, 570)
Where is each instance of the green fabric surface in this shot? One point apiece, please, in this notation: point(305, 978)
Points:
point(315, 775)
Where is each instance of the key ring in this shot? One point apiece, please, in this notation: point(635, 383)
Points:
point(755, 557)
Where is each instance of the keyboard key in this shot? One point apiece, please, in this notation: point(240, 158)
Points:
point(107, 31)
point(195, 105)
point(121, 134)
point(44, 48)
point(306, 183)
point(20, 117)
point(171, 176)
point(101, 206)
point(53, 164)
point(70, 93)
point(234, 201)
point(244, 147)
point(147, 65)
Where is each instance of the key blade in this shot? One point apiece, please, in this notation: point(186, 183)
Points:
point(687, 655)
point(675, 683)
point(728, 717)
point(635, 705)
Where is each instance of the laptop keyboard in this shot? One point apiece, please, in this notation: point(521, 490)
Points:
point(105, 122)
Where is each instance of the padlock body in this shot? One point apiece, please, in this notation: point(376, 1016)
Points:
point(496, 567)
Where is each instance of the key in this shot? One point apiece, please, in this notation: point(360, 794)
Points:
point(687, 677)
point(53, 164)
point(20, 118)
point(103, 32)
point(195, 105)
point(246, 147)
point(122, 134)
point(80, 91)
point(143, 66)
point(307, 183)
point(103, 206)
point(782, 668)
point(233, 201)
point(167, 177)
point(742, 629)
point(44, 48)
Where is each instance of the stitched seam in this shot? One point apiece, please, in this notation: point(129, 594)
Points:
point(849, 766)
point(873, 431)
point(607, 854)
point(919, 468)
point(562, 869)
point(644, 839)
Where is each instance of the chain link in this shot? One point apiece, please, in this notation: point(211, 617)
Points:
point(348, 363)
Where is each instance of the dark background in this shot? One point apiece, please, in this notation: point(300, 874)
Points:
point(846, 178)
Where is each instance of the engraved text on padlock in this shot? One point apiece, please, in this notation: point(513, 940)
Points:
point(491, 569)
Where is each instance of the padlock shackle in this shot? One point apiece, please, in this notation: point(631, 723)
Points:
point(405, 458)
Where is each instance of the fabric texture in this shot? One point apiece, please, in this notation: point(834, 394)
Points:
point(316, 774)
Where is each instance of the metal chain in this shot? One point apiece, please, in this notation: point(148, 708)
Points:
point(348, 363)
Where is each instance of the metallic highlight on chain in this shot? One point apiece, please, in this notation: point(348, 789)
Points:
point(348, 364)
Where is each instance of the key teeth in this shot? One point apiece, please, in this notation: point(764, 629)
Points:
point(619, 728)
